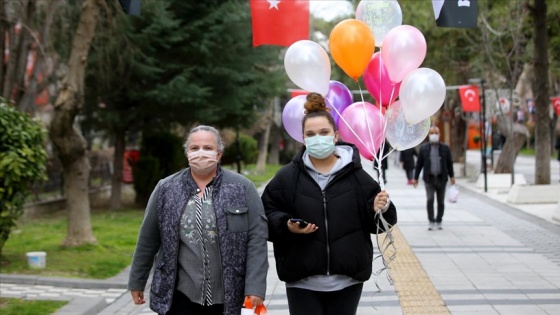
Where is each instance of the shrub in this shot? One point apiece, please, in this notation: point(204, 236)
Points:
point(248, 148)
point(161, 154)
point(22, 161)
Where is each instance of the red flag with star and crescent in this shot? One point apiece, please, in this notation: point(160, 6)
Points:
point(279, 22)
point(470, 98)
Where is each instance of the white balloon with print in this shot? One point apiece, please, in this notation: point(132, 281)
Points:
point(399, 133)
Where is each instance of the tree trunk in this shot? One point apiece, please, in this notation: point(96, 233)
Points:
point(27, 102)
point(263, 148)
point(116, 179)
point(69, 143)
point(275, 136)
point(511, 148)
point(14, 50)
point(540, 90)
point(458, 133)
point(263, 139)
point(3, 29)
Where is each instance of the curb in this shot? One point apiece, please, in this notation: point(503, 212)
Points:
point(78, 283)
point(83, 306)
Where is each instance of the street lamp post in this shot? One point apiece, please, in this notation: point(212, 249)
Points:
point(482, 129)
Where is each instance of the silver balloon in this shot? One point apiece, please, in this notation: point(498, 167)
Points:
point(399, 133)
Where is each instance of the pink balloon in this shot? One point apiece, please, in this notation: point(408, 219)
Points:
point(378, 83)
point(292, 117)
point(404, 49)
point(356, 123)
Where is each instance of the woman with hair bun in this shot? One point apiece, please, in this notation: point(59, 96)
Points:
point(321, 209)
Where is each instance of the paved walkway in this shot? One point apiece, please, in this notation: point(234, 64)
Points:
point(490, 258)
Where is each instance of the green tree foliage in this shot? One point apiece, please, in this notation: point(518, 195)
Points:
point(181, 62)
point(22, 161)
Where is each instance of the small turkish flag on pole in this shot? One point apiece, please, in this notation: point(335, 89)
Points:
point(470, 98)
point(556, 103)
point(279, 22)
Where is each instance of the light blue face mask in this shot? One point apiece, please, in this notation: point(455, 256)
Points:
point(320, 147)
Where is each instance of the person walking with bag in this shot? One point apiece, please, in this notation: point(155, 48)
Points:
point(206, 228)
point(322, 209)
point(434, 158)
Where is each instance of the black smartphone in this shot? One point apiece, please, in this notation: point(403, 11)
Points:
point(302, 223)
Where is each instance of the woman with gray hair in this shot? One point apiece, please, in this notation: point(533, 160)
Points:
point(206, 228)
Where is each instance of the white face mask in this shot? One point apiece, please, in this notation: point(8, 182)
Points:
point(434, 138)
point(202, 162)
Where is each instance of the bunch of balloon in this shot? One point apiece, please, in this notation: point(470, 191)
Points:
point(308, 66)
point(422, 90)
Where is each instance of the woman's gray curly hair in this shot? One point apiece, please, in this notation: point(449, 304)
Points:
point(211, 129)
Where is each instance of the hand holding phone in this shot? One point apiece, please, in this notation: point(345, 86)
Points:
point(301, 223)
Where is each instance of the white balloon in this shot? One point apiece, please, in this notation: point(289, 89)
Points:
point(399, 133)
point(422, 93)
point(308, 66)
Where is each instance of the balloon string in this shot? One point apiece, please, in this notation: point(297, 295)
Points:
point(367, 120)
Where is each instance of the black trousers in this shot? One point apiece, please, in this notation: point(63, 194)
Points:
point(409, 173)
point(181, 305)
point(435, 185)
point(307, 302)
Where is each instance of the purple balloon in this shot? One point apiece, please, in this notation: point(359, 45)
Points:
point(292, 117)
point(338, 98)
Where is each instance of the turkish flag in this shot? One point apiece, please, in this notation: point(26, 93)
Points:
point(556, 103)
point(295, 93)
point(279, 22)
point(470, 98)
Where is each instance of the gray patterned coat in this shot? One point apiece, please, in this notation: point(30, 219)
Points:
point(242, 234)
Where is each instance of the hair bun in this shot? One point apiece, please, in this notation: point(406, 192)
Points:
point(315, 102)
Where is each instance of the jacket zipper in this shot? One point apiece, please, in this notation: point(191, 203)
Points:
point(327, 233)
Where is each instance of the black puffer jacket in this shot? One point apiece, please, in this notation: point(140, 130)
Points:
point(343, 212)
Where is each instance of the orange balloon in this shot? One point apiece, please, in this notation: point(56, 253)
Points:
point(352, 45)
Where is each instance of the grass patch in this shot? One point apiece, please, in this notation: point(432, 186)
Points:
point(116, 233)
point(29, 307)
point(527, 151)
point(260, 178)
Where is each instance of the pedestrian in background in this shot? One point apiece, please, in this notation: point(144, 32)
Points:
point(558, 148)
point(326, 255)
point(206, 228)
point(435, 159)
point(406, 157)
